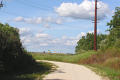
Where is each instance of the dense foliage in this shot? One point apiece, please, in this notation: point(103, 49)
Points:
point(113, 39)
point(107, 59)
point(13, 57)
point(87, 42)
point(103, 41)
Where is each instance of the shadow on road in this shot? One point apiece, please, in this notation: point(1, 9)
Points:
point(54, 79)
point(34, 72)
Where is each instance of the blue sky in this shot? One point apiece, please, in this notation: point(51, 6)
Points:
point(55, 25)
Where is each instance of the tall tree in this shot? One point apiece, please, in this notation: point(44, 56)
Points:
point(115, 22)
point(113, 38)
point(87, 42)
point(12, 55)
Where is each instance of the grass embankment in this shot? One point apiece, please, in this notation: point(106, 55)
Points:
point(105, 63)
point(108, 63)
point(35, 72)
point(105, 71)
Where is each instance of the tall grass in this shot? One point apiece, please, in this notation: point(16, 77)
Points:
point(109, 58)
point(107, 61)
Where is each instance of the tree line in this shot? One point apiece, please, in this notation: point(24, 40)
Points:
point(104, 41)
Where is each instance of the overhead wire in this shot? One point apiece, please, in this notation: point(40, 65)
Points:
point(12, 13)
point(32, 5)
point(24, 3)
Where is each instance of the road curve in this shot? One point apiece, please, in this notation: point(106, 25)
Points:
point(67, 71)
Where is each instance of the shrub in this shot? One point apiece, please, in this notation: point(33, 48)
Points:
point(109, 58)
point(12, 54)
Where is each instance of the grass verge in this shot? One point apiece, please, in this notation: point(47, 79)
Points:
point(106, 72)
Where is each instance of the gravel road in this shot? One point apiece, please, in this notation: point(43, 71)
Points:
point(67, 71)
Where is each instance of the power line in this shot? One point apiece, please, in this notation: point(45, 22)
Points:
point(1, 4)
point(12, 14)
point(15, 14)
point(38, 4)
point(33, 5)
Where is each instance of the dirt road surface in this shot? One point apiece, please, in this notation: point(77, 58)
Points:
point(67, 71)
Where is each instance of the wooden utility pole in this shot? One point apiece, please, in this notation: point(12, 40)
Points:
point(1, 4)
point(95, 27)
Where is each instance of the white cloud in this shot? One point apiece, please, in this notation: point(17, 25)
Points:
point(24, 30)
point(80, 35)
point(49, 19)
point(59, 21)
point(19, 19)
point(71, 42)
point(41, 40)
point(43, 44)
point(85, 10)
point(47, 25)
point(29, 20)
point(42, 35)
point(98, 31)
point(39, 20)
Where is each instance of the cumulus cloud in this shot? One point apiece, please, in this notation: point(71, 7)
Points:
point(84, 10)
point(40, 39)
point(19, 19)
point(24, 31)
point(71, 43)
point(39, 20)
point(47, 25)
point(44, 41)
point(41, 35)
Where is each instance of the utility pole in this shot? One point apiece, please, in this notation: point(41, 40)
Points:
point(1, 4)
point(95, 27)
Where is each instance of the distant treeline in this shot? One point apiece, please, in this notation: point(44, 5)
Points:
point(13, 57)
point(112, 40)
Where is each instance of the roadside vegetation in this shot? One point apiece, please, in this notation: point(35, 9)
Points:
point(106, 60)
point(70, 58)
point(15, 62)
point(104, 63)
point(34, 72)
